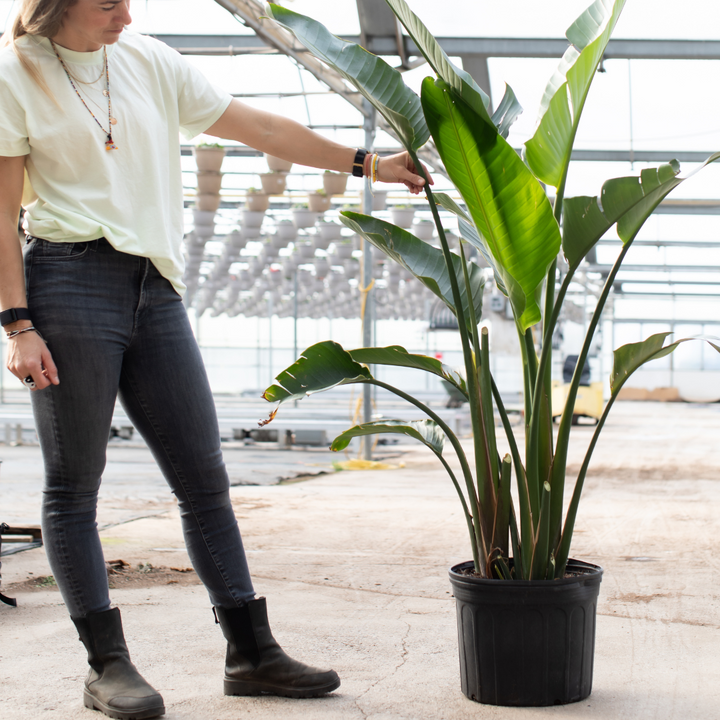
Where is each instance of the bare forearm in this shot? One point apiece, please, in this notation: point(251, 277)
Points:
point(12, 279)
point(282, 137)
point(289, 140)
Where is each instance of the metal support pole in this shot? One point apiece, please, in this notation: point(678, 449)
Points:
point(295, 315)
point(295, 318)
point(270, 339)
point(367, 327)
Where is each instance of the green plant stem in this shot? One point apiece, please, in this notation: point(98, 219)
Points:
point(468, 516)
point(531, 464)
point(563, 551)
point(472, 386)
point(483, 452)
point(486, 399)
point(543, 381)
point(467, 474)
point(545, 372)
point(563, 441)
point(538, 566)
point(527, 524)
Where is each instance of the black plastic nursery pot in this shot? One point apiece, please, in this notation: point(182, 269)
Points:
point(526, 643)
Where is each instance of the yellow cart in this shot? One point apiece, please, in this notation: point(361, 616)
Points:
point(588, 403)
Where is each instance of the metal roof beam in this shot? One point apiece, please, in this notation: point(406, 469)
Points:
point(250, 12)
point(662, 243)
point(388, 45)
point(649, 268)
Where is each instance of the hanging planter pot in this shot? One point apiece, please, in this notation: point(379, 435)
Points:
point(209, 158)
point(209, 182)
point(250, 233)
point(343, 251)
point(257, 201)
point(322, 267)
point(318, 201)
point(269, 253)
point(334, 183)
point(379, 200)
point(320, 243)
point(278, 241)
point(527, 643)
point(330, 230)
point(305, 251)
point(252, 218)
point(402, 215)
point(276, 164)
point(423, 229)
point(205, 231)
point(303, 217)
point(273, 183)
point(203, 217)
point(236, 240)
point(352, 268)
point(286, 230)
point(207, 202)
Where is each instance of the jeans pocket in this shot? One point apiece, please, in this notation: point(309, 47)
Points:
point(46, 251)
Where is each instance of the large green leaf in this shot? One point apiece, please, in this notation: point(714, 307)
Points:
point(422, 260)
point(628, 358)
point(629, 201)
point(548, 151)
point(587, 219)
point(509, 108)
point(507, 112)
point(426, 431)
point(507, 204)
point(320, 367)
point(379, 83)
point(438, 60)
point(469, 233)
point(400, 357)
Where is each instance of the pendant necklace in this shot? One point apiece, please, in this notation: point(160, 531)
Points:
point(109, 144)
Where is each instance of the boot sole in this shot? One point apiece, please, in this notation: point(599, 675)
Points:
point(245, 689)
point(90, 701)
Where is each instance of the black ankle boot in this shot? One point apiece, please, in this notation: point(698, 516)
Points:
point(114, 686)
point(256, 664)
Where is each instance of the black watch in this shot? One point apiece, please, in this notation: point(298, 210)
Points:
point(12, 315)
point(359, 163)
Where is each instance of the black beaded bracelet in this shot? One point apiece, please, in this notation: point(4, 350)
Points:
point(7, 317)
point(359, 163)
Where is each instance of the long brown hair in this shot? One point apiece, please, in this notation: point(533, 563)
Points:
point(36, 17)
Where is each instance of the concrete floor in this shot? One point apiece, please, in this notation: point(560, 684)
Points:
point(354, 565)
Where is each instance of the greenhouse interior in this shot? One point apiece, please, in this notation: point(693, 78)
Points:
point(285, 262)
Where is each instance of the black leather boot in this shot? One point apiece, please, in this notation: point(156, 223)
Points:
point(114, 686)
point(256, 664)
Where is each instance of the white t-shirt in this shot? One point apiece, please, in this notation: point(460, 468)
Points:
point(133, 195)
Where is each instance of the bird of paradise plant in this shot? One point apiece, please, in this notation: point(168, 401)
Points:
point(510, 220)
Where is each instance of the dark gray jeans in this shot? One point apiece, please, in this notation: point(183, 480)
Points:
point(115, 325)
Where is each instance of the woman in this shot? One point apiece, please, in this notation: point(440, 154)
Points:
point(93, 113)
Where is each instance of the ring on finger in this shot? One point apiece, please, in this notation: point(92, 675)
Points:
point(28, 382)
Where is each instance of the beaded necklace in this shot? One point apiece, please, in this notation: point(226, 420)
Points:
point(109, 144)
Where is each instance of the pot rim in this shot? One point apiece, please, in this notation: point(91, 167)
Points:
point(587, 571)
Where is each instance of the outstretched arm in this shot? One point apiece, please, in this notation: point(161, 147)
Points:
point(289, 140)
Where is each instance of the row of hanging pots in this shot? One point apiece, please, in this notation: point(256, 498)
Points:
point(209, 159)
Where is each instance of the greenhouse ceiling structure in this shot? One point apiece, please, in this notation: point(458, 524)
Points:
point(652, 102)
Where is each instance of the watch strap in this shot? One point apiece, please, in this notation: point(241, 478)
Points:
point(359, 162)
point(12, 315)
